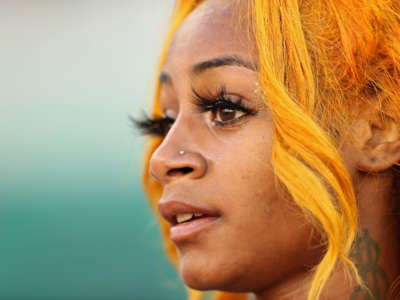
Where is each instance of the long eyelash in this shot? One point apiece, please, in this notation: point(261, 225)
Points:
point(157, 126)
point(221, 101)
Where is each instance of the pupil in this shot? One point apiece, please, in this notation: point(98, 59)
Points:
point(227, 114)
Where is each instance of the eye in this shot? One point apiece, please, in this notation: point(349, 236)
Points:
point(157, 126)
point(227, 115)
point(225, 109)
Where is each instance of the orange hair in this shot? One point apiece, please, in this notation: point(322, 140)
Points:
point(318, 60)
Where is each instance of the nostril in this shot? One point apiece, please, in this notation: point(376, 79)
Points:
point(186, 170)
point(179, 171)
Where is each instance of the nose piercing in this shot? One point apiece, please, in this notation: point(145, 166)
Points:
point(181, 152)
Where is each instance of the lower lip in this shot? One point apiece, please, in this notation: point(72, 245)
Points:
point(187, 230)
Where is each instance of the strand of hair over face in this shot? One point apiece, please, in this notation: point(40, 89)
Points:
point(318, 60)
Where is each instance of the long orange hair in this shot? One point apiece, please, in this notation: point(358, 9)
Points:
point(318, 59)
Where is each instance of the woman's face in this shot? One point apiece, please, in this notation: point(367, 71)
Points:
point(249, 236)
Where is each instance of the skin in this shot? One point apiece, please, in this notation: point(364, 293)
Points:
point(261, 243)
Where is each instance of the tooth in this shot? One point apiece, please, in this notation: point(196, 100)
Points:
point(183, 217)
point(198, 214)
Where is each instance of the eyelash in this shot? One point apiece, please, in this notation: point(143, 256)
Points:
point(222, 101)
point(159, 126)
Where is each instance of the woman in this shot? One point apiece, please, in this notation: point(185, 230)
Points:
point(273, 166)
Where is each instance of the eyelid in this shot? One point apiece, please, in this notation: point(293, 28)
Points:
point(221, 97)
point(223, 101)
point(170, 113)
point(155, 126)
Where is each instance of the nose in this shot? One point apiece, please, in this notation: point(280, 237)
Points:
point(178, 156)
point(168, 164)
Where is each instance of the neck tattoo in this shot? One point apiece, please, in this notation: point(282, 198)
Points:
point(365, 254)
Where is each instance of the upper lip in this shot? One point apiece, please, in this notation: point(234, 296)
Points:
point(170, 208)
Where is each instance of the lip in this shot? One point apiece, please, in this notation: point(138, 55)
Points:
point(183, 231)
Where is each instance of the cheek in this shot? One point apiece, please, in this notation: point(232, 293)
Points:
point(262, 235)
point(265, 228)
point(251, 183)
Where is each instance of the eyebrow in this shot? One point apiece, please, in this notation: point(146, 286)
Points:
point(231, 60)
point(203, 66)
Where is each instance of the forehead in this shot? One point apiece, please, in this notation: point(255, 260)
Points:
point(215, 28)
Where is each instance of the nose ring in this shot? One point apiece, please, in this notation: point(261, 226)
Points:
point(181, 152)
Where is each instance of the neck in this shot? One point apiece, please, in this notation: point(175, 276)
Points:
point(375, 251)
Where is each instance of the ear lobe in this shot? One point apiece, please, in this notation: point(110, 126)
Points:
point(377, 143)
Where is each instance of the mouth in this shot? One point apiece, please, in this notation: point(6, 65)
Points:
point(188, 217)
point(186, 220)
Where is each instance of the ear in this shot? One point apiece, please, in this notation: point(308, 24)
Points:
point(377, 141)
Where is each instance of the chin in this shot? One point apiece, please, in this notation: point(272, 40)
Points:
point(199, 276)
point(199, 282)
point(205, 283)
point(210, 275)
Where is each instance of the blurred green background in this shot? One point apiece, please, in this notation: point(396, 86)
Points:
point(74, 223)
